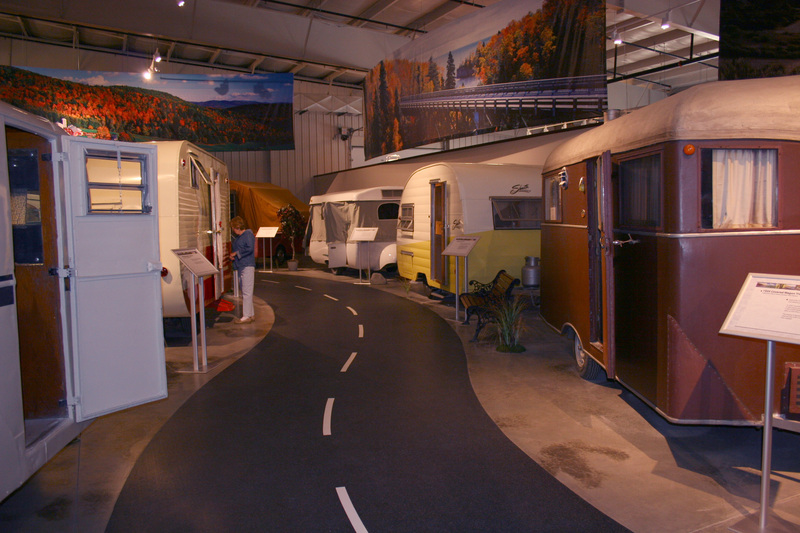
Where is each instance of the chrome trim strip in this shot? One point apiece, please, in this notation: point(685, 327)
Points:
point(557, 225)
point(703, 235)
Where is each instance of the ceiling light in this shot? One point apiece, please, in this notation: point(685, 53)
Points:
point(617, 38)
point(148, 74)
point(181, 3)
point(665, 22)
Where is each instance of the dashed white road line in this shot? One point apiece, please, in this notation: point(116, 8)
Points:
point(349, 362)
point(301, 287)
point(360, 331)
point(331, 297)
point(355, 521)
point(270, 281)
point(352, 310)
point(326, 418)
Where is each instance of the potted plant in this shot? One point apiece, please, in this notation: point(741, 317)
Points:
point(507, 315)
point(293, 225)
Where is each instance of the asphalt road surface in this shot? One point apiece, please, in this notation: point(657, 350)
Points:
point(355, 413)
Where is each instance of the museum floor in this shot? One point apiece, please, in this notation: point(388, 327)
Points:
point(598, 440)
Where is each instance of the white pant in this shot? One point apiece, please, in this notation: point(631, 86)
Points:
point(247, 279)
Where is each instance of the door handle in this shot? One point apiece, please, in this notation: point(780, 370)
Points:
point(630, 240)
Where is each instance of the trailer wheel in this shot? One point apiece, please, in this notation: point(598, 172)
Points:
point(588, 368)
point(280, 254)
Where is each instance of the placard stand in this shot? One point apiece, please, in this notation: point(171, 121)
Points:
point(199, 267)
point(360, 235)
point(766, 309)
point(461, 247)
point(266, 232)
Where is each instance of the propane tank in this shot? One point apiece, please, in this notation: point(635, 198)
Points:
point(531, 272)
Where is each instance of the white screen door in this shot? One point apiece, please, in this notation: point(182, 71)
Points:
point(115, 289)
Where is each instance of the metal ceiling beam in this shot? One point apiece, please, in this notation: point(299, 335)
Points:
point(342, 15)
point(372, 11)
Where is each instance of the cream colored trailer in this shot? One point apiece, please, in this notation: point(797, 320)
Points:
point(499, 203)
point(335, 216)
point(193, 192)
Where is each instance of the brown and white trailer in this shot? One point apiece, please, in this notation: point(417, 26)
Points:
point(652, 223)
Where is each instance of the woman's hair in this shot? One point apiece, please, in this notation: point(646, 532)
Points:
point(238, 223)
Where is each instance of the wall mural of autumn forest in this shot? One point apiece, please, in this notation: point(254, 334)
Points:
point(426, 94)
point(218, 113)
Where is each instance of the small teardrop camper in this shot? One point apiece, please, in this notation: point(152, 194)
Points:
point(334, 218)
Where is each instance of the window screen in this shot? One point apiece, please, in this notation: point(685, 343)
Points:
point(739, 189)
point(640, 192)
point(116, 184)
point(517, 213)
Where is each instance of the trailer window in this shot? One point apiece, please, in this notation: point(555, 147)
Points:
point(115, 183)
point(26, 206)
point(388, 211)
point(552, 199)
point(739, 189)
point(406, 222)
point(517, 213)
point(640, 192)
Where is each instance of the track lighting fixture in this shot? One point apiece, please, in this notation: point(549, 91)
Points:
point(152, 69)
point(665, 21)
point(617, 38)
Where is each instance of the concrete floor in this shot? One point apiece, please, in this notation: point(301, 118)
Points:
point(597, 439)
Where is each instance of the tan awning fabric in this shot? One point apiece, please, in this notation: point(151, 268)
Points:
point(258, 203)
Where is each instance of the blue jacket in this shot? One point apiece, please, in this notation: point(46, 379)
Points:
point(245, 245)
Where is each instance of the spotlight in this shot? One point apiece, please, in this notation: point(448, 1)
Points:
point(665, 22)
point(157, 57)
point(181, 3)
point(617, 38)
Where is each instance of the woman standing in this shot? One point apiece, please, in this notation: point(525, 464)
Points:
point(244, 260)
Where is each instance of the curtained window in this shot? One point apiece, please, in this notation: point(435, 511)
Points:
point(640, 192)
point(740, 189)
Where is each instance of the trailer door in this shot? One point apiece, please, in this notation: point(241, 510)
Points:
point(117, 340)
point(439, 232)
point(635, 272)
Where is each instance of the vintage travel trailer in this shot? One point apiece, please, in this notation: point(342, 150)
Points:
point(80, 289)
point(653, 222)
point(499, 203)
point(334, 218)
point(194, 212)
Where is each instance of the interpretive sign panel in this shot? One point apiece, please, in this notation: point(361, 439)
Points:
point(267, 232)
point(768, 308)
point(460, 246)
point(195, 262)
point(364, 234)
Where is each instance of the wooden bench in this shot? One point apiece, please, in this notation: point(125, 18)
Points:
point(483, 296)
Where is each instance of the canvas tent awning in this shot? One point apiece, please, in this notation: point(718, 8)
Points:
point(258, 203)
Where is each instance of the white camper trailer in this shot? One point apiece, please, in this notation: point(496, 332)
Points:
point(80, 295)
point(499, 203)
point(335, 216)
point(194, 208)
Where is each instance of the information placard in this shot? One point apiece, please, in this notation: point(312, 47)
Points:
point(267, 232)
point(363, 234)
point(195, 262)
point(460, 246)
point(768, 308)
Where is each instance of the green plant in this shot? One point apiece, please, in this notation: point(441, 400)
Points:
point(293, 224)
point(507, 315)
